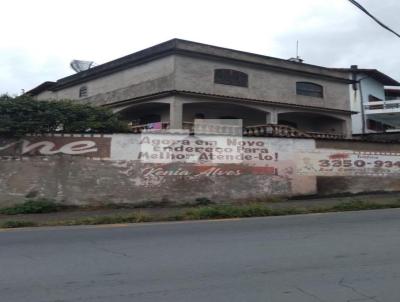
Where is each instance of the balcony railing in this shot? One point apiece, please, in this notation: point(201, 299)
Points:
point(273, 130)
point(392, 98)
point(267, 130)
point(382, 106)
point(326, 135)
point(149, 127)
point(286, 131)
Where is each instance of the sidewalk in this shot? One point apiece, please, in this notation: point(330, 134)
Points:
point(306, 204)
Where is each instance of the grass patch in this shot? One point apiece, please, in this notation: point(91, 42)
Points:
point(17, 224)
point(114, 219)
point(358, 205)
point(195, 213)
point(229, 211)
point(260, 210)
point(32, 207)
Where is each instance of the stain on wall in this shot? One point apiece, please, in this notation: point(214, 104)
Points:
point(75, 169)
point(354, 185)
point(91, 170)
point(386, 182)
point(79, 180)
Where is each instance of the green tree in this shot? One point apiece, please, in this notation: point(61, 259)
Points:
point(22, 114)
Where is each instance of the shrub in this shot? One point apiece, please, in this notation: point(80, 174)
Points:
point(32, 207)
point(23, 114)
point(113, 219)
point(17, 224)
point(227, 211)
point(356, 205)
point(203, 201)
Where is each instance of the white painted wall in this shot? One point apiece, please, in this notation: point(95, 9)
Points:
point(368, 87)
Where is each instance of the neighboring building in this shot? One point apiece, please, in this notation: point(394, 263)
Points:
point(368, 99)
point(385, 113)
point(175, 82)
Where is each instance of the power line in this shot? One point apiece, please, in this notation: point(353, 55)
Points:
point(373, 17)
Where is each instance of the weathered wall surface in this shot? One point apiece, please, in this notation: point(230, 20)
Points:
point(142, 79)
point(118, 168)
point(77, 180)
point(358, 145)
point(198, 75)
point(357, 184)
point(177, 168)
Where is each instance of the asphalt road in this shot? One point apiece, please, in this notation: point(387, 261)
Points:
point(321, 257)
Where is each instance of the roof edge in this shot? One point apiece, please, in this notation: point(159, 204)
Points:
point(48, 85)
point(219, 96)
point(176, 46)
point(374, 73)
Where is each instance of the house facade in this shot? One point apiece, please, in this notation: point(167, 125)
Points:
point(176, 82)
point(372, 102)
point(383, 114)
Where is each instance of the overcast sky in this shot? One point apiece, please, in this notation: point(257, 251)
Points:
point(39, 38)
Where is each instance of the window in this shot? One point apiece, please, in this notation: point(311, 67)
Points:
point(135, 122)
point(372, 98)
point(83, 92)
point(374, 125)
point(287, 123)
point(150, 118)
point(309, 89)
point(231, 77)
point(392, 94)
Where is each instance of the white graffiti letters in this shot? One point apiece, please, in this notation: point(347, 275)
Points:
point(79, 147)
point(5, 147)
point(48, 148)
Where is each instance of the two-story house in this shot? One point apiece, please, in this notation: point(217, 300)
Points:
point(175, 82)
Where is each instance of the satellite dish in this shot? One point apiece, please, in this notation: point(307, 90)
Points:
point(79, 65)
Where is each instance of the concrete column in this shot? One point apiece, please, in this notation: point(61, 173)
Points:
point(175, 114)
point(272, 117)
point(347, 128)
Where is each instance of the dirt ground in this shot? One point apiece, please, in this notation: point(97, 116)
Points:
point(309, 203)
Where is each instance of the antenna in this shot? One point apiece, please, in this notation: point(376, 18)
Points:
point(297, 59)
point(80, 65)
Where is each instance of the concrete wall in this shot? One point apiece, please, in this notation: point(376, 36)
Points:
point(359, 183)
point(102, 169)
point(103, 88)
point(358, 145)
point(356, 185)
point(176, 72)
point(77, 180)
point(141, 110)
point(314, 123)
point(254, 58)
point(194, 74)
point(251, 113)
point(214, 110)
point(129, 168)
